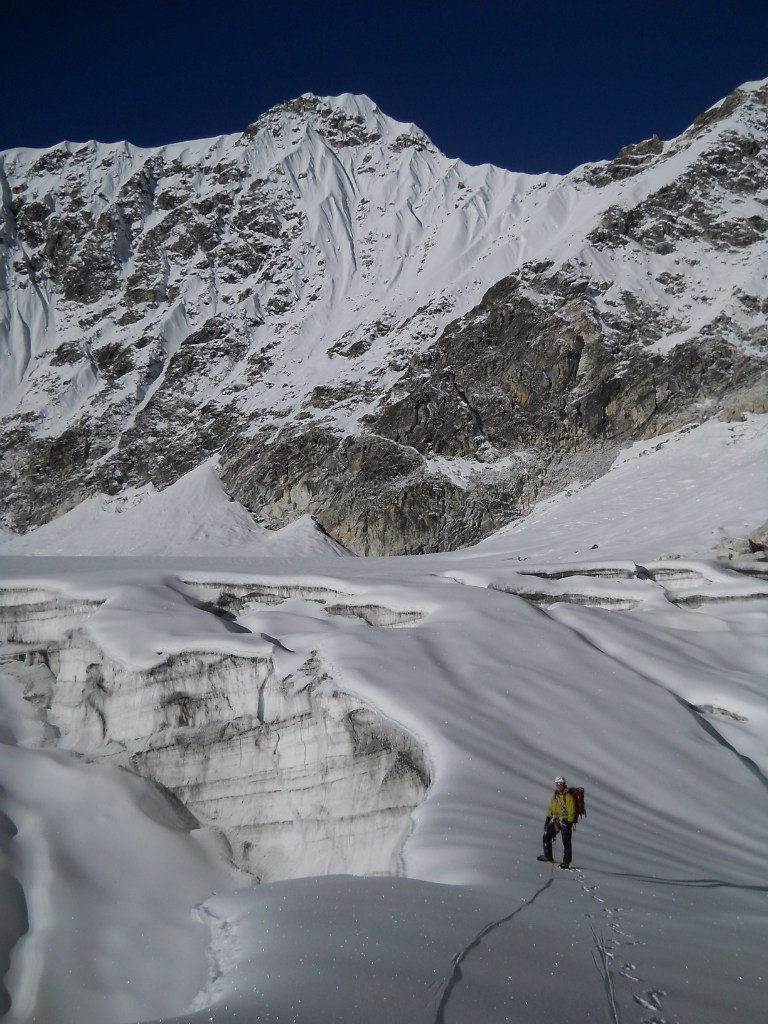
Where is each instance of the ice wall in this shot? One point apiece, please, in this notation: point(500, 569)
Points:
point(301, 778)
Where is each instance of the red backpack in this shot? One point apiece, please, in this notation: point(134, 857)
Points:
point(577, 792)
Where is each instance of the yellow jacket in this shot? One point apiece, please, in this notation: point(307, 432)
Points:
point(563, 807)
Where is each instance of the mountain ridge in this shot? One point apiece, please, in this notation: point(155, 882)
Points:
point(313, 300)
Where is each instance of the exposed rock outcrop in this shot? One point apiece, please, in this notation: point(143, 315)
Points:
point(754, 547)
point(759, 538)
point(518, 390)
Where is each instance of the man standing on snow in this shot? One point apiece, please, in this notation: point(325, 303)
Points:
point(561, 816)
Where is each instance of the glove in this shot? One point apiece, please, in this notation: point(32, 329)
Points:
point(547, 821)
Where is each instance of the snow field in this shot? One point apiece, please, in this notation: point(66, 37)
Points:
point(503, 694)
point(642, 678)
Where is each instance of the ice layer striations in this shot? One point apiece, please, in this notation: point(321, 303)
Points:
point(302, 778)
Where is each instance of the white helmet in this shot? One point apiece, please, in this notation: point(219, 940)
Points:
point(560, 780)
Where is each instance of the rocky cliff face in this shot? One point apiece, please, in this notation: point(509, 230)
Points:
point(410, 349)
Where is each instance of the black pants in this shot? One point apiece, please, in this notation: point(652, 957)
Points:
point(565, 834)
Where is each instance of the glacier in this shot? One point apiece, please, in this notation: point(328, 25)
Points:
point(472, 678)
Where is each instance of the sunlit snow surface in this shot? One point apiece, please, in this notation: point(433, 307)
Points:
point(638, 668)
point(387, 240)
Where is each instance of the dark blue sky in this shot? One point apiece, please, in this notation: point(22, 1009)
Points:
point(530, 86)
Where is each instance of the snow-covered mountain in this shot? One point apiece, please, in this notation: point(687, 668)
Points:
point(366, 342)
point(356, 327)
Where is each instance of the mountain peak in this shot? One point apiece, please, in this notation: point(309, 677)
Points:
point(749, 96)
point(345, 120)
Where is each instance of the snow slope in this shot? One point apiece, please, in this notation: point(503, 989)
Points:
point(678, 494)
point(385, 228)
point(530, 655)
point(193, 514)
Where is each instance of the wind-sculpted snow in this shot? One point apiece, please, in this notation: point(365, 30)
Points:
point(234, 275)
point(72, 831)
point(426, 751)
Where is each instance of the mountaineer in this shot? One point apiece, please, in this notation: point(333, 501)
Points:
point(561, 817)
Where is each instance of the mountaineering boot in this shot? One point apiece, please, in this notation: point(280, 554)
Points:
point(547, 860)
point(565, 867)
